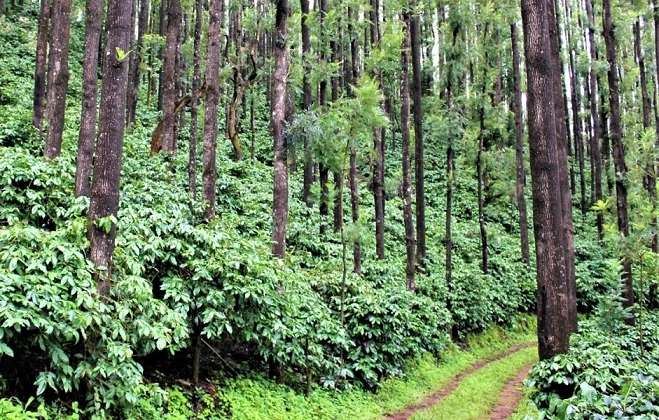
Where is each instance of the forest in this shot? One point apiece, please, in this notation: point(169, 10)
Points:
point(329, 209)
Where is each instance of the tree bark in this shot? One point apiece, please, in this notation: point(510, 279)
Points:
point(653, 169)
point(595, 152)
point(308, 100)
point(58, 75)
point(649, 180)
point(378, 147)
point(162, 31)
point(169, 92)
point(41, 64)
point(280, 77)
point(107, 164)
point(519, 149)
point(560, 106)
point(575, 99)
point(322, 99)
point(87, 133)
point(450, 169)
point(136, 60)
point(410, 242)
point(551, 260)
point(418, 145)
point(196, 85)
point(480, 178)
point(212, 98)
point(618, 149)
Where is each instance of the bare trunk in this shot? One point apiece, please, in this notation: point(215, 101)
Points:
point(552, 263)
point(58, 75)
point(410, 242)
point(563, 163)
point(169, 90)
point(107, 164)
point(196, 85)
point(481, 181)
point(135, 63)
point(280, 77)
point(418, 145)
point(40, 64)
point(595, 153)
point(87, 133)
point(519, 149)
point(212, 98)
point(308, 100)
point(618, 148)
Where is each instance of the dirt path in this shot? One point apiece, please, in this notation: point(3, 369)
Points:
point(510, 396)
point(447, 389)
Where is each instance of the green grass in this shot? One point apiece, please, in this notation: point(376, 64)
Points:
point(259, 398)
point(478, 393)
point(526, 409)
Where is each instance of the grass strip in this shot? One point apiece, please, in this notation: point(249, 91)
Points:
point(478, 393)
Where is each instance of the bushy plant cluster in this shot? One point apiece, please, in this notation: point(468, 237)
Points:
point(611, 370)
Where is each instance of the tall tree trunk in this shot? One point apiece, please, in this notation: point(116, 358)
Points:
point(280, 77)
point(480, 176)
point(595, 153)
point(58, 75)
point(653, 169)
point(308, 100)
point(322, 100)
point(196, 85)
point(135, 62)
point(40, 64)
point(575, 100)
point(378, 148)
point(104, 201)
point(169, 93)
point(87, 133)
point(618, 148)
point(212, 98)
point(410, 242)
point(551, 260)
point(450, 170)
point(162, 31)
point(418, 145)
point(353, 172)
point(649, 180)
point(519, 149)
point(560, 107)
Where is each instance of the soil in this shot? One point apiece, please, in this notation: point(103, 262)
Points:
point(510, 396)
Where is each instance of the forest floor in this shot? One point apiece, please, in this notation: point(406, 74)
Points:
point(489, 388)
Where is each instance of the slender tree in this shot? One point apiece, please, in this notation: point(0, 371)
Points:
point(322, 101)
point(196, 85)
point(618, 148)
point(551, 260)
point(169, 90)
point(87, 133)
point(41, 64)
point(308, 99)
point(595, 149)
point(212, 98)
point(280, 77)
point(418, 136)
point(136, 61)
point(563, 142)
point(519, 149)
point(410, 242)
point(104, 200)
point(58, 75)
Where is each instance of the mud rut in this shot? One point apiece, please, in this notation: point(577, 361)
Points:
point(505, 406)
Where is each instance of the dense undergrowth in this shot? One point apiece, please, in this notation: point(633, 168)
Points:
point(176, 276)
